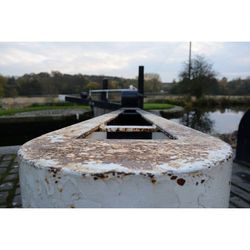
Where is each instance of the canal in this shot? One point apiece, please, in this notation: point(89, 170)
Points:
point(212, 121)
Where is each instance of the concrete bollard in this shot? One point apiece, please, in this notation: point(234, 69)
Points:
point(163, 164)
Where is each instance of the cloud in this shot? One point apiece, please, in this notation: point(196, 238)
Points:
point(244, 61)
point(17, 56)
point(120, 59)
point(207, 49)
point(87, 58)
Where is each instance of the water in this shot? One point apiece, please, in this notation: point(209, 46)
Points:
point(214, 122)
point(220, 121)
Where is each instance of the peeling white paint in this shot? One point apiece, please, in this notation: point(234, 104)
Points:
point(56, 138)
point(104, 167)
point(46, 163)
point(65, 169)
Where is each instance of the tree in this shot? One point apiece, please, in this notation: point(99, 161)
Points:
point(152, 82)
point(10, 88)
point(2, 85)
point(92, 85)
point(223, 85)
point(31, 87)
point(202, 78)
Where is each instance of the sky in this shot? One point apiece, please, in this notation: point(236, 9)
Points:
point(229, 59)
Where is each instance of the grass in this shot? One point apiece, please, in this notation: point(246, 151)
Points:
point(206, 101)
point(36, 107)
point(150, 106)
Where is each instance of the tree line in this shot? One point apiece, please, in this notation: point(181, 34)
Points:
point(200, 79)
point(197, 79)
point(55, 83)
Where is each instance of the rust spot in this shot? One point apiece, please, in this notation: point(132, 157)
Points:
point(107, 174)
point(72, 206)
point(46, 180)
point(180, 181)
point(173, 177)
point(101, 175)
point(194, 147)
point(54, 170)
point(153, 180)
point(150, 175)
point(123, 174)
point(202, 181)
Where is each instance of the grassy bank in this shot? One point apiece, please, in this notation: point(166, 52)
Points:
point(206, 101)
point(22, 102)
point(155, 106)
point(38, 107)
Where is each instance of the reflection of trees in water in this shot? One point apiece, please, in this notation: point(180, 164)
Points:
point(198, 120)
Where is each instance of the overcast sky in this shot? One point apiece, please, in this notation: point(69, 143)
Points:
point(123, 58)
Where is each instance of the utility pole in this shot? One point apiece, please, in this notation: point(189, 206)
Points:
point(189, 65)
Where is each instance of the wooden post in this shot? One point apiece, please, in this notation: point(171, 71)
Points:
point(141, 86)
point(104, 94)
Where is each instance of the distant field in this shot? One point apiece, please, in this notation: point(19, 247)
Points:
point(11, 106)
point(13, 111)
point(20, 102)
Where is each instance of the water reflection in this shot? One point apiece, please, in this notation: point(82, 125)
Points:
point(216, 121)
point(198, 120)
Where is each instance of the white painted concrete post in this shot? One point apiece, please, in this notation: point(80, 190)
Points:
point(69, 168)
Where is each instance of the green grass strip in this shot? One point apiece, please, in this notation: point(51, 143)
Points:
point(150, 106)
point(13, 111)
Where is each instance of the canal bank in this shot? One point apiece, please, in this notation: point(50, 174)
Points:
point(175, 111)
point(21, 127)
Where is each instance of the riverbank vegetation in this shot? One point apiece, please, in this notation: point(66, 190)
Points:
point(197, 86)
point(151, 103)
point(205, 101)
point(66, 105)
point(38, 107)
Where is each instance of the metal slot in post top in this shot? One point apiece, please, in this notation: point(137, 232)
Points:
point(128, 125)
point(130, 132)
point(113, 128)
